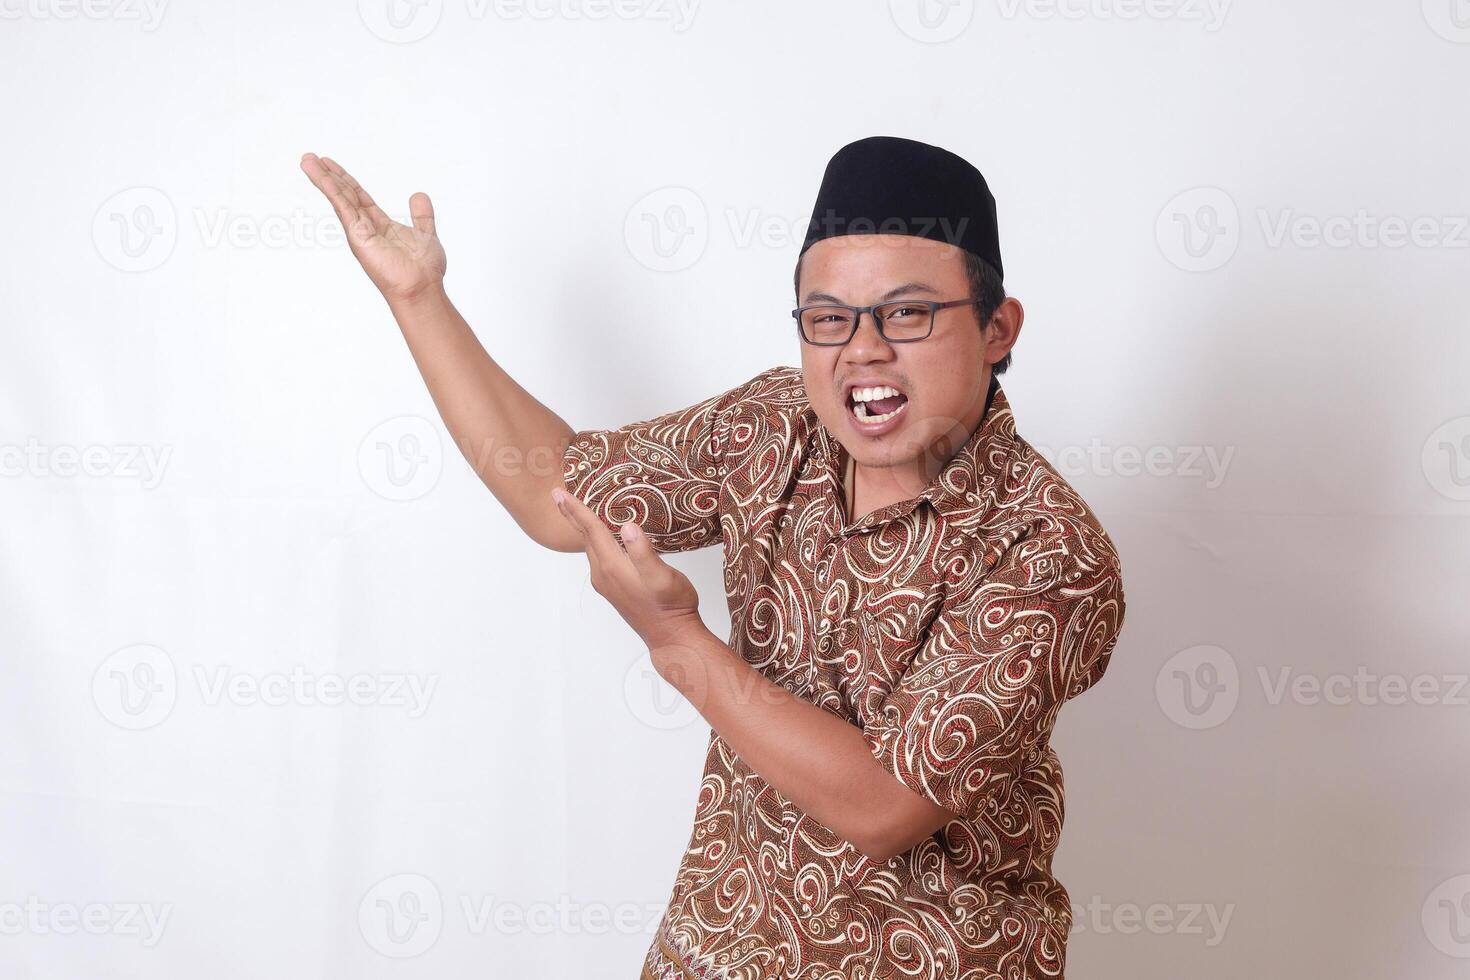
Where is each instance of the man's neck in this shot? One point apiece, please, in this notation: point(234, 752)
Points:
point(869, 489)
point(866, 489)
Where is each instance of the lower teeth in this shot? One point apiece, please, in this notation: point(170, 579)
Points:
point(860, 409)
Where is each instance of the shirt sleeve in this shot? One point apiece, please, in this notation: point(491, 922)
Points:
point(975, 707)
point(663, 473)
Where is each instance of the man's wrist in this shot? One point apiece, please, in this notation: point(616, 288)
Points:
point(427, 301)
point(684, 647)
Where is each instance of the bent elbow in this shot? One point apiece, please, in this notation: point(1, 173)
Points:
point(878, 842)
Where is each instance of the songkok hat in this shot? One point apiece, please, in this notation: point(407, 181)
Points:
point(886, 185)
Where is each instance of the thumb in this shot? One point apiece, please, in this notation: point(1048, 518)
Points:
point(640, 549)
point(422, 210)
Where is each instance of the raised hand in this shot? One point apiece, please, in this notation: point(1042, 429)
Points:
point(402, 260)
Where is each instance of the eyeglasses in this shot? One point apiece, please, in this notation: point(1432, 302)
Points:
point(901, 321)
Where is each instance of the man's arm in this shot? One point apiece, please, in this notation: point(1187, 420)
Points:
point(817, 760)
point(512, 441)
point(987, 685)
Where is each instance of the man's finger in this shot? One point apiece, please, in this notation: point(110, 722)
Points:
point(355, 221)
point(600, 541)
point(558, 497)
point(641, 551)
point(358, 193)
point(328, 185)
point(422, 210)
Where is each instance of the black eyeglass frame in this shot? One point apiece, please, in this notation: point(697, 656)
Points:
point(857, 316)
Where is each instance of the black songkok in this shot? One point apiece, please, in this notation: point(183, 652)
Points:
point(885, 185)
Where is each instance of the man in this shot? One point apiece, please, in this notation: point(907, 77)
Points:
point(913, 590)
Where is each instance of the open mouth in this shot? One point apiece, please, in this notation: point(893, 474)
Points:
point(875, 405)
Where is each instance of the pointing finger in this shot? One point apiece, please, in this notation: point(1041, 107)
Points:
point(641, 551)
point(601, 545)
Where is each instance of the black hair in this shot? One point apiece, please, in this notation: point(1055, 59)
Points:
point(988, 293)
point(986, 289)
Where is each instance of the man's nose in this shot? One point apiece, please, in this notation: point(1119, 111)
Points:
point(867, 342)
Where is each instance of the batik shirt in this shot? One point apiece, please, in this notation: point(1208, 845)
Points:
point(949, 628)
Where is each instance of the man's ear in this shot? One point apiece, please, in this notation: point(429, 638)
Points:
point(1003, 329)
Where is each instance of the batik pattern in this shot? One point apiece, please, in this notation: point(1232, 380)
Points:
point(949, 628)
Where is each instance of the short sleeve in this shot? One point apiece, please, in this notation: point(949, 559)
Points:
point(662, 473)
point(976, 706)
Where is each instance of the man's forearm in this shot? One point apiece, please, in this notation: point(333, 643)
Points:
point(513, 442)
point(815, 759)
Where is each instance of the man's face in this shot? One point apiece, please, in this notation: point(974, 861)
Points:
point(942, 379)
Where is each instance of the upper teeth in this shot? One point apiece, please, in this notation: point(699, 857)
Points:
point(868, 394)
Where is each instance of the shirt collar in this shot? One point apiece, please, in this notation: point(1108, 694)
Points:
point(956, 490)
point(957, 487)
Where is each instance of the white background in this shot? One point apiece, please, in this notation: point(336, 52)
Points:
point(172, 290)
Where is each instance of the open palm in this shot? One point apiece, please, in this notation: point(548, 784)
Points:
point(401, 260)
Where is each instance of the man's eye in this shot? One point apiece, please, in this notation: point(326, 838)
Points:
point(904, 311)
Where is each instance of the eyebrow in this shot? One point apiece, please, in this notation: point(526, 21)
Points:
point(908, 287)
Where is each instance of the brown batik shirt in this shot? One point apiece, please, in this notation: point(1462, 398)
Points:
point(949, 628)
